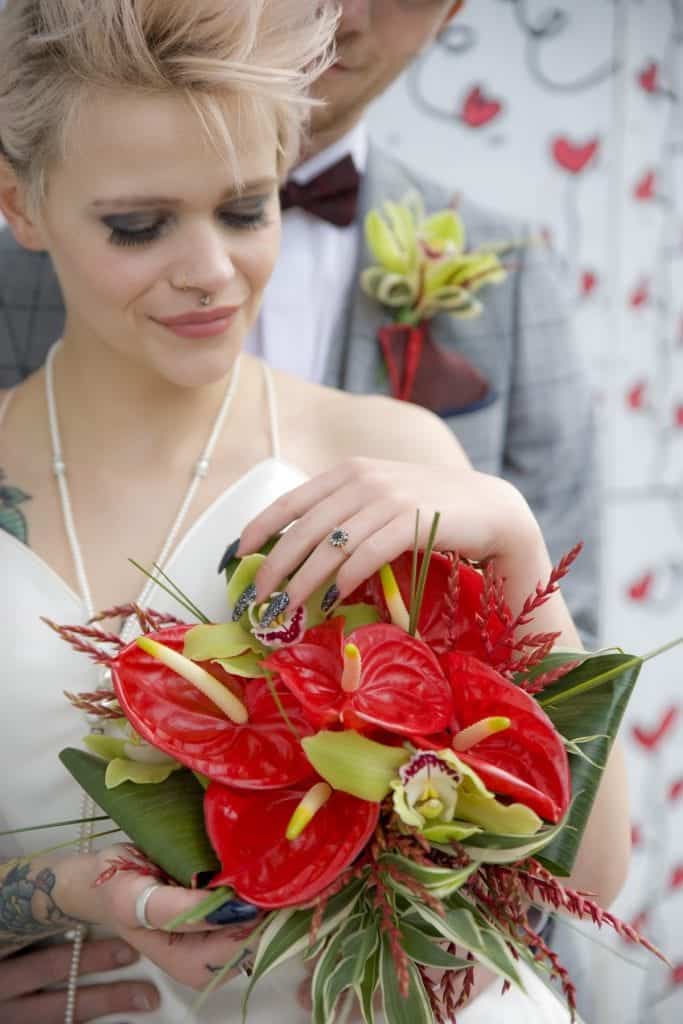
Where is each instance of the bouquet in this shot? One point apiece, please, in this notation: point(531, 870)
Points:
point(394, 781)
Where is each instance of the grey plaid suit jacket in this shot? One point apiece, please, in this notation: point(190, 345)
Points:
point(538, 433)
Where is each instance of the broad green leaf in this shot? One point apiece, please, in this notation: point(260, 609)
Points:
point(424, 950)
point(165, 820)
point(415, 1009)
point(589, 700)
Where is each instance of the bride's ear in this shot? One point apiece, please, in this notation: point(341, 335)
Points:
point(17, 208)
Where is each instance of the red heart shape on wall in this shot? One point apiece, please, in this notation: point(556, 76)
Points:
point(645, 188)
point(649, 77)
point(479, 109)
point(650, 739)
point(573, 157)
point(589, 281)
point(639, 590)
point(636, 395)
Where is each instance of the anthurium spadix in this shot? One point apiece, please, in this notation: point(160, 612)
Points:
point(174, 715)
point(376, 676)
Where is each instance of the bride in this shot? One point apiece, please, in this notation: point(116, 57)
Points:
point(142, 144)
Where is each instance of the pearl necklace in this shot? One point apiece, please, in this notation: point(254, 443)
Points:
point(201, 470)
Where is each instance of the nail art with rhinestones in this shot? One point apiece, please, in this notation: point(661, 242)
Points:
point(330, 599)
point(243, 601)
point(279, 603)
point(228, 555)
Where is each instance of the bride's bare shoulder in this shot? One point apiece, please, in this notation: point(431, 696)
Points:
point(339, 425)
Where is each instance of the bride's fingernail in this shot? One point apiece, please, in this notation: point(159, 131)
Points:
point(276, 607)
point(243, 601)
point(330, 599)
point(233, 912)
point(228, 555)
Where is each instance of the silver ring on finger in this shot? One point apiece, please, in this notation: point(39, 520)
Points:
point(141, 906)
point(339, 538)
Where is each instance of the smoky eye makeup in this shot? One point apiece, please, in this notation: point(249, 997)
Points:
point(142, 227)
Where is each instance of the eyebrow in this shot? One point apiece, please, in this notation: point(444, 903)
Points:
point(251, 188)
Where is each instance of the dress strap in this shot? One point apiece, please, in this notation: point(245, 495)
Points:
point(5, 404)
point(271, 396)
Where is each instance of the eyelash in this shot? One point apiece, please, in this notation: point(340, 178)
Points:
point(143, 236)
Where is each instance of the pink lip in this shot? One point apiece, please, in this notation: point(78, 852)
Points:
point(200, 325)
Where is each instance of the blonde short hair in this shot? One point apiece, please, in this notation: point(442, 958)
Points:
point(263, 53)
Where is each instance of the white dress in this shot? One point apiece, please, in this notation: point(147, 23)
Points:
point(37, 722)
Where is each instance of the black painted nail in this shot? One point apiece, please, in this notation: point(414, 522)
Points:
point(233, 912)
point(228, 555)
point(275, 608)
point(243, 602)
point(330, 599)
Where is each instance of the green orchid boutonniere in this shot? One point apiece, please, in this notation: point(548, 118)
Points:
point(422, 268)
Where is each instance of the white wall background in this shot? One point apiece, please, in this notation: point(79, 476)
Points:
point(572, 113)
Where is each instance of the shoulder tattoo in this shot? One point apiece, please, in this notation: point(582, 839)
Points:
point(12, 518)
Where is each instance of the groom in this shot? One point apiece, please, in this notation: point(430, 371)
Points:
point(534, 427)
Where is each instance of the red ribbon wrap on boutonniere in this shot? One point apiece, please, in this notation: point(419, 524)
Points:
point(429, 374)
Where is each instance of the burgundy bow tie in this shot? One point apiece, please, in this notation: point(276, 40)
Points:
point(332, 196)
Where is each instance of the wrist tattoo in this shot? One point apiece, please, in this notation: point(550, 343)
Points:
point(28, 909)
point(12, 518)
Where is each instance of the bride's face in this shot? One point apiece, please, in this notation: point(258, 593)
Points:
point(142, 219)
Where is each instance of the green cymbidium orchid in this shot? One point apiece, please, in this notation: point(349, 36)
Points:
point(130, 758)
point(433, 786)
point(421, 265)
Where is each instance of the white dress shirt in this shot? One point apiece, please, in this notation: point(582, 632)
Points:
point(307, 294)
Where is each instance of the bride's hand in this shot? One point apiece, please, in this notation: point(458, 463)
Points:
point(374, 504)
point(191, 954)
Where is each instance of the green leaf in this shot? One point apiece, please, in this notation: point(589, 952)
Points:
point(461, 927)
point(492, 848)
point(287, 933)
point(356, 615)
point(440, 881)
point(341, 979)
point(424, 950)
point(367, 986)
point(589, 700)
point(165, 820)
point(324, 969)
point(413, 1009)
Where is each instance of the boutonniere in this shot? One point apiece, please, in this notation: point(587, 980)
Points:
point(422, 268)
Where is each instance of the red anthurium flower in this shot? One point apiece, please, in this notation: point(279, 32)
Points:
point(378, 675)
point(451, 603)
point(526, 761)
point(174, 716)
point(247, 831)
